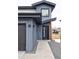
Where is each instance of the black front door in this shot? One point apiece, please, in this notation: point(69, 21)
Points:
point(45, 32)
point(21, 37)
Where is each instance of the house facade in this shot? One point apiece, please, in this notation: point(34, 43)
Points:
point(34, 23)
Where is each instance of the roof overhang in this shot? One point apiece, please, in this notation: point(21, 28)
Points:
point(52, 5)
point(35, 16)
point(46, 2)
point(48, 20)
point(25, 7)
point(29, 15)
point(29, 12)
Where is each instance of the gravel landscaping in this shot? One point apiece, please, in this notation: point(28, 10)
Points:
point(56, 49)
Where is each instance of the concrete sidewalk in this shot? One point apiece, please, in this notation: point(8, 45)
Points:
point(20, 54)
point(43, 51)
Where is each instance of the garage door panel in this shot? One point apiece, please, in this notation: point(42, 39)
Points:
point(21, 37)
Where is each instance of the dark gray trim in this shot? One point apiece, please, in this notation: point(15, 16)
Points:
point(21, 23)
point(49, 20)
point(25, 7)
point(45, 3)
point(29, 15)
point(35, 16)
point(40, 2)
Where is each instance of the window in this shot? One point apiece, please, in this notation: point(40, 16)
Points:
point(45, 12)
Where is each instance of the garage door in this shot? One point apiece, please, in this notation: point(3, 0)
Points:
point(21, 37)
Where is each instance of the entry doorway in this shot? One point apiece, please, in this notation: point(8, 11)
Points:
point(45, 32)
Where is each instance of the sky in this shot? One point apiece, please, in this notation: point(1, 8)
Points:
point(56, 12)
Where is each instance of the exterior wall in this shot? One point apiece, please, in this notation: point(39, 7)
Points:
point(29, 36)
point(34, 34)
point(39, 30)
point(38, 8)
point(30, 33)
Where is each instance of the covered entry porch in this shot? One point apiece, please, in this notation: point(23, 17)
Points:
point(27, 31)
point(46, 29)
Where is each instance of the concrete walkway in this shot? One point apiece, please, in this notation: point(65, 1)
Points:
point(21, 54)
point(43, 52)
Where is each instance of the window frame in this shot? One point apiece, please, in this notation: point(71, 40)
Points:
point(45, 9)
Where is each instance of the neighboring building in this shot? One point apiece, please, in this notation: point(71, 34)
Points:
point(34, 23)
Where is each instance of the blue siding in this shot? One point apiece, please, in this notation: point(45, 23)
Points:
point(38, 8)
point(29, 36)
point(31, 40)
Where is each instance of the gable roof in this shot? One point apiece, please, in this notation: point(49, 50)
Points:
point(52, 5)
point(44, 2)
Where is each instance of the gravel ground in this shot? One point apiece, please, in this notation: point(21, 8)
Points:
point(56, 49)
